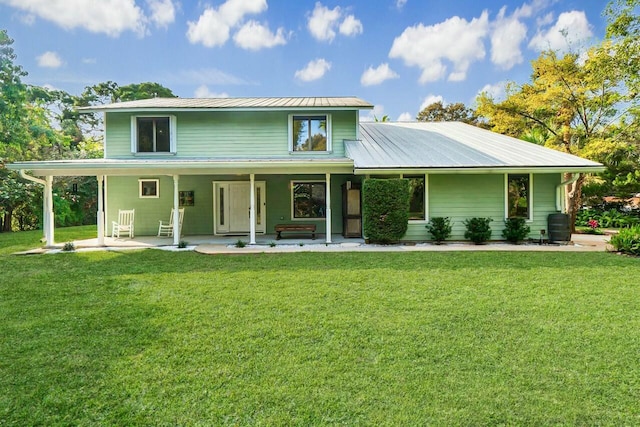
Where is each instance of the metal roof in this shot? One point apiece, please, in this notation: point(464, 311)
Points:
point(347, 102)
point(452, 145)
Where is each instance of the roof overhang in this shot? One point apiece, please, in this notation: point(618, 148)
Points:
point(110, 167)
point(346, 103)
point(479, 170)
point(248, 109)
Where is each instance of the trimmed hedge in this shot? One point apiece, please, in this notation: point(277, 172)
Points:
point(385, 209)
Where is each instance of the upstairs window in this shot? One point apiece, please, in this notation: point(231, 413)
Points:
point(153, 134)
point(310, 133)
point(519, 196)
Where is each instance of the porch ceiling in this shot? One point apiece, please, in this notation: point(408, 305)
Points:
point(123, 167)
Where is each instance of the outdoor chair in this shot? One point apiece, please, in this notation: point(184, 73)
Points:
point(166, 228)
point(124, 225)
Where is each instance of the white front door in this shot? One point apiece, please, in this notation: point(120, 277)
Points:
point(231, 202)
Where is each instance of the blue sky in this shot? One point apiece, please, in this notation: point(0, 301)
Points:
point(400, 55)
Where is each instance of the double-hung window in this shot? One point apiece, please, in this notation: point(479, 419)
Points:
point(308, 200)
point(153, 134)
point(519, 196)
point(310, 133)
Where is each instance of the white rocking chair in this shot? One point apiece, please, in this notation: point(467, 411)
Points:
point(124, 225)
point(166, 229)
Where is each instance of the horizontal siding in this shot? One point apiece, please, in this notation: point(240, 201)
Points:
point(118, 136)
point(122, 193)
point(544, 201)
point(466, 196)
point(228, 134)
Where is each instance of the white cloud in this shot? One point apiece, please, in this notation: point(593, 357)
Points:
point(255, 36)
point(213, 26)
point(203, 92)
point(406, 117)
point(111, 17)
point(49, 60)
point(351, 26)
point(376, 113)
point(497, 91)
point(506, 36)
point(163, 12)
point(571, 29)
point(431, 99)
point(545, 20)
point(323, 23)
point(210, 30)
point(314, 70)
point(400, 3)
point(375, 76)
point(89, 61)
point(456, 40)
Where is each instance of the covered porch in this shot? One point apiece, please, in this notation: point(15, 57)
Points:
point(264, 197)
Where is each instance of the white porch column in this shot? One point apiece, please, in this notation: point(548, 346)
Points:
point(252, 210)
point(48, 218)
point(176, 213)
point(328, 207)
point(100, 215)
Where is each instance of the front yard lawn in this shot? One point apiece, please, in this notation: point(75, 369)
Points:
point(475, 338)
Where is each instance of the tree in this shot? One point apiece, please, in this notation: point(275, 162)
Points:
point(13, 95)
point(570, 103)
point(438, 112)
point(623, 37)
point(110, 92)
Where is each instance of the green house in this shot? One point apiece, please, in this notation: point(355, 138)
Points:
point(243, 166)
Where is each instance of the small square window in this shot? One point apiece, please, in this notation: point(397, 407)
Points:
point(149, 188)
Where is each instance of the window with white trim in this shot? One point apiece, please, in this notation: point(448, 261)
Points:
point(416, 197)
point(153, 134)
point(148, 188)
point(518, 197)
point(310, 133)
point(308, 199)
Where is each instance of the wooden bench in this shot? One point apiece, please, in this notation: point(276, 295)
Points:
point(297, 228)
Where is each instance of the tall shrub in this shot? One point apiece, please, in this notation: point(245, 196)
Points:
point(385, 209)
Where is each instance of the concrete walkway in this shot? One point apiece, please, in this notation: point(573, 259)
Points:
point(227, 245)
point(579, 243)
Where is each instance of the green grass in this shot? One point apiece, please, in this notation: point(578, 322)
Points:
point(21, 241)
point(474, 338)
